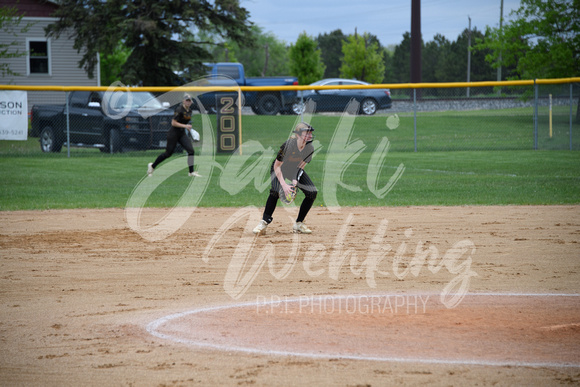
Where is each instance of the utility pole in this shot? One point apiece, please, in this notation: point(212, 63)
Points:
point(468, 54)
point(416, 41)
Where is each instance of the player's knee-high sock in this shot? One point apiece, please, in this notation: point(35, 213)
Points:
point(306, 205)
point(270, 206)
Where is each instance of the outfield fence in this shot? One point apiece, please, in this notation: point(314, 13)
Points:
point(512, 115)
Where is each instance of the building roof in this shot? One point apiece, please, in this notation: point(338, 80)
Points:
point(32, 8)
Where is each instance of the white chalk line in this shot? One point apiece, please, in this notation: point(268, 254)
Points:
point(153, 327)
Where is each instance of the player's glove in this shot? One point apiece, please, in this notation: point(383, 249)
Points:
point(287, 199)
point(193, 134)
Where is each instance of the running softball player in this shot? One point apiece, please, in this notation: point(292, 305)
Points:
point(178, 134)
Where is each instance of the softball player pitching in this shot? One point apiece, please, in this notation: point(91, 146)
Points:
point(289, 164)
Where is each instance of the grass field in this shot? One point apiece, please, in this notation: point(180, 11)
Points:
point(463, 158)
point(429, 178)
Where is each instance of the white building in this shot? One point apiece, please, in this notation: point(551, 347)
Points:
point(48, 61)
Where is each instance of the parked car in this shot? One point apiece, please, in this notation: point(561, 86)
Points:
point(336, 100)
point(142, 124)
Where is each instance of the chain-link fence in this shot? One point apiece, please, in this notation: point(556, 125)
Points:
point(542, 116)
point(538, 116)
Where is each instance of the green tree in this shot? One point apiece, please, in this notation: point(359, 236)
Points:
point(363, 59)
point(388, 53)
point(432, 55)
point(453, 67)
point(541, 41)
point(10, 25)
point(331, 51)
point(452, 64)
point(226, 52)
point(160, 34)
point(481, 70)
point(402, 60)
point(112, 64)
point(305, 60)
point(268, 56)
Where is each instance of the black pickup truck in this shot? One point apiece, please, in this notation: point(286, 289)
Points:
point(110, 122)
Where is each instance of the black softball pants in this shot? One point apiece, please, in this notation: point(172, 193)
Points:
point(305, 184)
point(174, 136)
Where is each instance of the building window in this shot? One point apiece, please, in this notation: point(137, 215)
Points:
point(39, 57)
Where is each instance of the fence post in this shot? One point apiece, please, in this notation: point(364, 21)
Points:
point(550, 115)
point(535, 115)
point(415, 116)
point(571, 115)
point(66, 96)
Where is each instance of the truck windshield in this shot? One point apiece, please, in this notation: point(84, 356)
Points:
point(136, 100)
point(228, 71)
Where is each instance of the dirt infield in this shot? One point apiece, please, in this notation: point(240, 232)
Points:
point(375, 296)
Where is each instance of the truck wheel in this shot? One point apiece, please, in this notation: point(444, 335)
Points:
point(368, 107)
point(49, 141)
point(268, 105)
point(115, 145)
